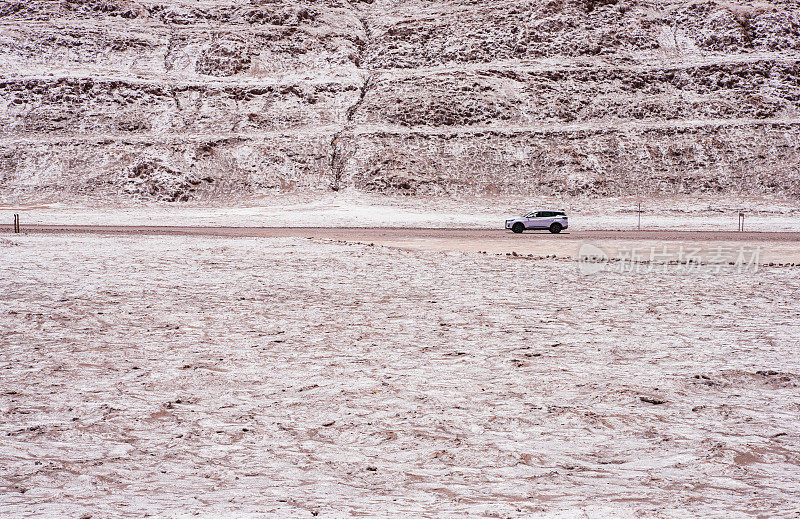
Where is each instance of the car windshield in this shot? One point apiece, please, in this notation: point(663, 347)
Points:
point(530, 215)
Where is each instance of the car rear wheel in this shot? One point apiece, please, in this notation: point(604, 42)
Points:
point(518, 227)
point(556, 228)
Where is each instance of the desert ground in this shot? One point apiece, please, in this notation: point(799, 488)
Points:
point(262, 271)
point(301, 376)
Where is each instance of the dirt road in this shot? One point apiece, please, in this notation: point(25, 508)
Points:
point(408, 233)
point(772, 247)
point(780, 248)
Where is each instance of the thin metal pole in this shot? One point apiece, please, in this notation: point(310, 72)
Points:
point(639, 225)
point(16, 223)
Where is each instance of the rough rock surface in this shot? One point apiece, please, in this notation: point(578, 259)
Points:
point(595, 97)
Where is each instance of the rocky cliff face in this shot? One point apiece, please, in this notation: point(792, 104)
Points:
point(223, 99)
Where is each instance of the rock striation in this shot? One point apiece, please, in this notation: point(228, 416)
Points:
point(222, 100)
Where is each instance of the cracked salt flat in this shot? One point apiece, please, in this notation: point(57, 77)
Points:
point(285, 377)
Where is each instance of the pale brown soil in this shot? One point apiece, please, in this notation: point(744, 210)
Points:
point(778, 248)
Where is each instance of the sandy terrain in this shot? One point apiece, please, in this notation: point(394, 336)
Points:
point(290, 377)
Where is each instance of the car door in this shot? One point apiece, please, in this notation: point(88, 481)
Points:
point(546, 218)
point(536, 221)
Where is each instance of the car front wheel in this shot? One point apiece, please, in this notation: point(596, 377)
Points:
point(518, 228)
point(556, 228)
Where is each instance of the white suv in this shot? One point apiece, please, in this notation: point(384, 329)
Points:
point(554, 221)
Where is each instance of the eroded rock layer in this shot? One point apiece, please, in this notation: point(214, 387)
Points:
point(221, 99)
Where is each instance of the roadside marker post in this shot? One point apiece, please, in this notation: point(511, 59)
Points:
point(16, 223)
point(741, 221)
point(639, 224)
